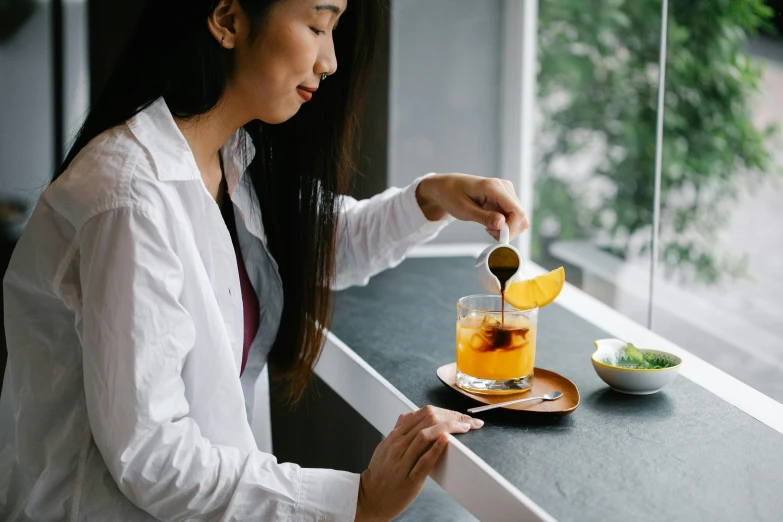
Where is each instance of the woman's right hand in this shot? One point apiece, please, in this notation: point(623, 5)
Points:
point(403, 460)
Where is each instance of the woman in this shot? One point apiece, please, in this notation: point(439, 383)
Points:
point(133, 306)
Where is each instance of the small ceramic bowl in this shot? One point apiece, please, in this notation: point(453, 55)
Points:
point(632, 380)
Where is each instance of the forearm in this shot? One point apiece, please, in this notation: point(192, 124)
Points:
point(377, 233)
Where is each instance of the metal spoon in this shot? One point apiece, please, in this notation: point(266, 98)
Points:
point(551, 396)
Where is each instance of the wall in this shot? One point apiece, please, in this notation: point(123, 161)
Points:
point(27, 125)
point(445, 93)
point(26, 106)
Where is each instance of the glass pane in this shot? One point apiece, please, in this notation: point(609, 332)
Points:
point(597, 94)
point(720, 290)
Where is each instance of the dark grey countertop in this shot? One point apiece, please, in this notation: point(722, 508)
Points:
point(681, 454)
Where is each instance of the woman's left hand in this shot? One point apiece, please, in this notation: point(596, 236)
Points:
point(489, 201)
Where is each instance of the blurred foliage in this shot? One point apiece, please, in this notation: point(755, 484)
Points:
point(598, 88)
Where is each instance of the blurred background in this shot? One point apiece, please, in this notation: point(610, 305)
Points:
point(559, 96)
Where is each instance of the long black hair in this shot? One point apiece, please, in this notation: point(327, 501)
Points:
point(299, 168)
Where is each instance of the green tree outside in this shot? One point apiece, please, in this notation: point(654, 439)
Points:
point(598, 81)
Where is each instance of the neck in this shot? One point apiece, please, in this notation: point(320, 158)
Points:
point(206, 134)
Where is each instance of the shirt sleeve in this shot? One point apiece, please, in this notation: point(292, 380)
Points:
point(377, 233)
point(136, 335)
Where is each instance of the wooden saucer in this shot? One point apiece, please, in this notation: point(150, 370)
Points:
point(544, 381)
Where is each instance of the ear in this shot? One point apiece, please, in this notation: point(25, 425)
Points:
point(226, 22)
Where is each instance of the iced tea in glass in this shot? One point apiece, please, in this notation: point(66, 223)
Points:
point(495, 351)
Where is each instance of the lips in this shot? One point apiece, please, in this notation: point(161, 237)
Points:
point(306, 92)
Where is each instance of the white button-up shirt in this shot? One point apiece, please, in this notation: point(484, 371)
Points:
point(122, 398)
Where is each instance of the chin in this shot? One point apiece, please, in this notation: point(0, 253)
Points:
point(281, 116)
point(277, 119)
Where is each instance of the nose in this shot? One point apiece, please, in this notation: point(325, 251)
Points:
point(326, 63)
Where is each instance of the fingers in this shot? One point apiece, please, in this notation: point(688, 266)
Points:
point(487, 214)
point(419, 438)
point(491, 202)
point(427, 461)
point(494, 233)
point(510, 188)
point(424, 439)
point(432, 415)
point(501, 193)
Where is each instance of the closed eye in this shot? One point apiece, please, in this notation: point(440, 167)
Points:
point(318, 32)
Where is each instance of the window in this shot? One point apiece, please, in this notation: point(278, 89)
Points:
point(717, 288)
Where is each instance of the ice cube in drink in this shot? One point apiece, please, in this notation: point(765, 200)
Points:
point(487, 349)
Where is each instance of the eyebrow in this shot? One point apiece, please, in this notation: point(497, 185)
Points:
point(328, 7)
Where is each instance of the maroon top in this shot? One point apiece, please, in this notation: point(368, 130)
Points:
point(249, 297)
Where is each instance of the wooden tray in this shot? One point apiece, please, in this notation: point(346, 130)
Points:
point(544, 381)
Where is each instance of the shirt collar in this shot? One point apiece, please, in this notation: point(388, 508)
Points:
point(237, 153)
point(157, 132)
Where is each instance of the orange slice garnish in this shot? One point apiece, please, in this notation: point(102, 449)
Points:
point(537, 292)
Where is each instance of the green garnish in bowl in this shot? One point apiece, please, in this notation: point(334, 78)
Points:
point(628, 369)
point(632, 357)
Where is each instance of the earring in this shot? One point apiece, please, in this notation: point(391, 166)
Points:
point(323, 76)
point(222, 38)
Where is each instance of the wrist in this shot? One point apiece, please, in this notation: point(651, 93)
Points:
point(426, 197)
point(362, 511)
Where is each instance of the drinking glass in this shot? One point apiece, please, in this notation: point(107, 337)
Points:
point(496, 345)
